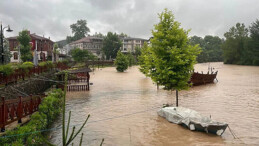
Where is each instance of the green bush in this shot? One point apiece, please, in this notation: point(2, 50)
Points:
point(121, 62)
point(49, 64)
point(6, 69)
point(42, 64)
point(26, 66)
point(29, 134)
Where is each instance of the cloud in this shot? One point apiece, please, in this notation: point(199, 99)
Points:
point(134, 17)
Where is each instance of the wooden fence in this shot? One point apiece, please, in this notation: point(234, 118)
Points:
point(77, 87)
point(20, 74)
point(80, 80)
point(15, 109)
point(99, 63)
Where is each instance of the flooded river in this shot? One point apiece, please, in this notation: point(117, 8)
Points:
point(123, 108)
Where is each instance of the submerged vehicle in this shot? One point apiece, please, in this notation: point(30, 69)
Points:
point(192, 120)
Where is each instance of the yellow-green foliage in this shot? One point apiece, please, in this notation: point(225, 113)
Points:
point(42, 64)
point(170, 58)
point(6, 69)
point(49, 64)
point(26, 66)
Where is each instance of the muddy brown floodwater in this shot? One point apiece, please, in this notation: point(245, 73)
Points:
point(123, 108)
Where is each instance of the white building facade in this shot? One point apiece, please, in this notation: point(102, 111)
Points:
point(130, 44)
point(90, 43)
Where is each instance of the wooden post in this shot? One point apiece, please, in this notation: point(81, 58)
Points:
point(2, 117)
point(31, 106)
point(176, 98)
point(20, 110)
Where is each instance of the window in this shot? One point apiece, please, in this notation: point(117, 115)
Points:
point(15, 56)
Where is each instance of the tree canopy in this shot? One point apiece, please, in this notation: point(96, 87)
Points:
point(81, 55)
point(7, 54)
point(111, 45)
point(170, 58)
point(211, 48)
point(25, 46)
point(79, 30)
point(240, 47)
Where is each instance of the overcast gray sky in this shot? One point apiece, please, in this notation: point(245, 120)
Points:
point(133, 17)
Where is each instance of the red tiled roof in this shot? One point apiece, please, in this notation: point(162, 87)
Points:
point(33, 37)
point(86, 40)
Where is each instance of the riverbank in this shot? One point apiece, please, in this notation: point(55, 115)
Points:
point(123, 108)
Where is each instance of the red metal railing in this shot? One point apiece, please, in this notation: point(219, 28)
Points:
point(15, 109)
point(20, 74)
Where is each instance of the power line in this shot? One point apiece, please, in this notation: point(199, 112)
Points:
point(57, 128)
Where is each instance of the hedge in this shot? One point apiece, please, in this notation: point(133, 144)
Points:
point(29, 134)
point(6, 69)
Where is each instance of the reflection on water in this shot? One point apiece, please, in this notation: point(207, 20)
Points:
point(123, 108)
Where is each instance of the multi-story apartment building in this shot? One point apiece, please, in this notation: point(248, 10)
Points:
point(130, 44)
point(90, 43)
point(43, 46)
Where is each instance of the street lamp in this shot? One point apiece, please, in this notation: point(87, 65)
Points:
point(2, 37)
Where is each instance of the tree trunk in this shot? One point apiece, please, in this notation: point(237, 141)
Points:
point(176, 98)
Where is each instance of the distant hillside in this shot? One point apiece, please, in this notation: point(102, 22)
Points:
point(61, 43)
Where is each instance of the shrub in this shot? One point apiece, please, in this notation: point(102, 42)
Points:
point(26, 66)
point(42, 64)
point(121, 62)
point(49, 64)
point(6, 69)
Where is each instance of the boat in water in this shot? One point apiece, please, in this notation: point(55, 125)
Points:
point(192, 120)
point(200, 78)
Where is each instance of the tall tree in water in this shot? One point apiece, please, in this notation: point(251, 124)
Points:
point(171, 57)
point(111, 45)
point(25, 47)
point(79, 30)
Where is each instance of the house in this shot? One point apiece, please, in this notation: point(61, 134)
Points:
point(90, 43)
point(130, 44)
point(43, 46)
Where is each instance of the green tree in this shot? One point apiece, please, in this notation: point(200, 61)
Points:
point(123, 35)
point(234, 46)
point(111, 45)
point(81, 55)
point(203, 56)
point(99, 35)
point(131, 59)
point(25, 47)
point(253, 44)
point(211, 48)
point(79, 30)
point(7, 53)
point(146, 65)
point(137, 53)
point(172, 58)
point(121, 62)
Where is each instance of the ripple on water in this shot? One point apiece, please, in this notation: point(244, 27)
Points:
point(234, 99)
